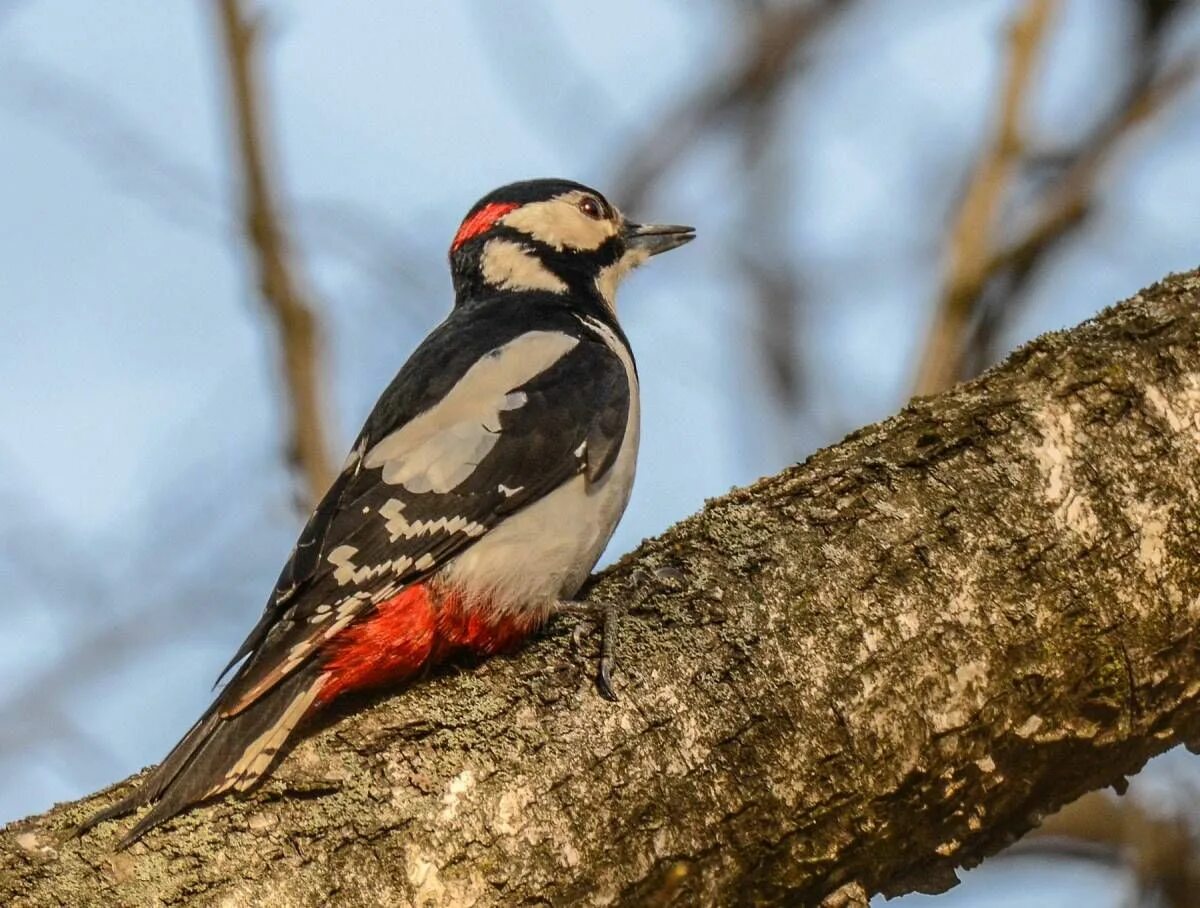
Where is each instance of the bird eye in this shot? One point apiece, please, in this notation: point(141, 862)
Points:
point(591, 207)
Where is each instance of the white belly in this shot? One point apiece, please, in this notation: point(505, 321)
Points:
point(546, 551)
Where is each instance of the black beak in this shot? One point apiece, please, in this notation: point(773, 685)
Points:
point(656, 238)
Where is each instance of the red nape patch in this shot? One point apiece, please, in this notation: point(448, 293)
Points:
point(481, 221)
point(415, 628)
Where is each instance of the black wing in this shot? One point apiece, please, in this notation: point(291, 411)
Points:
point(424, 483)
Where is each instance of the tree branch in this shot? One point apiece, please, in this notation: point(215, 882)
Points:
point(278, 281)
point(850, 678)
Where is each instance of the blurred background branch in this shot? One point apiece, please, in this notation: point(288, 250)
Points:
point(1158, 846)
point(773, 38)
point(279, 278)
point(986, 277)
point(748, 100)
point(971, 235)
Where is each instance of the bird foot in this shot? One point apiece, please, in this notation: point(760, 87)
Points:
point(604, 616)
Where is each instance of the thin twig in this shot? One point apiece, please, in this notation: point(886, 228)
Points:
point(771, 269)
point(1073, 193)
point(1070, 200)
point(990, 299)
point(1159, 849)
point(970, 239)
point(773, 49)
point(278, 279)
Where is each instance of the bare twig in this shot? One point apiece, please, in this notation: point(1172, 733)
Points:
point(773, 49)
point(748, 99)
point(566, 116)
point(1069, 201)
point(970, 239)
point(977, 302)
point(1071, 198)
point(92, 123)
point(141, 166)
point(281, 286)
point(1160, 851)
point(770, 267)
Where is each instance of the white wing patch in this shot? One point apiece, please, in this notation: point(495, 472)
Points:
point(437, 450)
point(346, 571)
point(510, 266)
point(400, 528)
point(545, 551)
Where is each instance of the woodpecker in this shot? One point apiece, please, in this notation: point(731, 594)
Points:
point(474, 503)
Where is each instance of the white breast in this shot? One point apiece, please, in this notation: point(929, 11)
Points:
point(544, 552)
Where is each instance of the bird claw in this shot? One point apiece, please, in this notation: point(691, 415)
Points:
point(604, 678)
point(603, 616)
point(577, 634)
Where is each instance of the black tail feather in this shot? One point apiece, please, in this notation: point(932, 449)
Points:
point(217, 753)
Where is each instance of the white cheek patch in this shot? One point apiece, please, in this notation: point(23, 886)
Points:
point(510, 266)
point(437, 450)
point(559, 223)
point(610, 276)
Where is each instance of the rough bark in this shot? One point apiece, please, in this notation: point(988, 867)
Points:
point(852, 677)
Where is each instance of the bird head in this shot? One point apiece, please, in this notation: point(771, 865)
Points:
point(553, 236)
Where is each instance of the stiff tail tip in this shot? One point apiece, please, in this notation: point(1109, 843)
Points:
point(219, 753)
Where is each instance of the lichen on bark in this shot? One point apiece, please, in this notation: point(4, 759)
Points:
point(853, 677)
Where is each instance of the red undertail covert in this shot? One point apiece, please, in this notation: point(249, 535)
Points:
point(417, 627)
